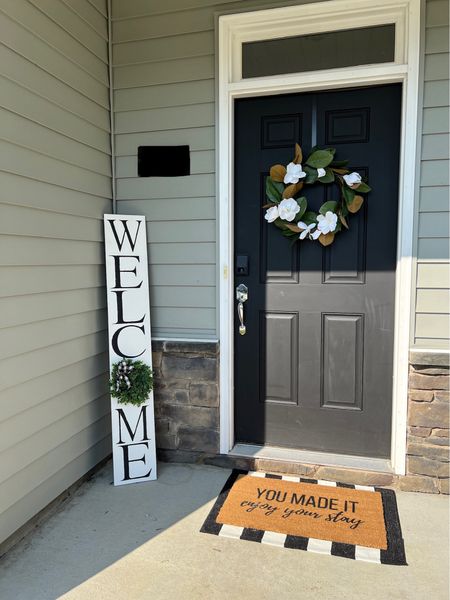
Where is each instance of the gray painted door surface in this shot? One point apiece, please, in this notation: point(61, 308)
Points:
point(314, 370)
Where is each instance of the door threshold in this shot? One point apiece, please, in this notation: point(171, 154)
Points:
point(380, 465)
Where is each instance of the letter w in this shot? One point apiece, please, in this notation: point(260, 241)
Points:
point(131, 433)
point(126, 232)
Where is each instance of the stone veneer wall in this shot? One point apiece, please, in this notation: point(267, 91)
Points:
point(428, 424)
point(187, 419)
point(186, 399)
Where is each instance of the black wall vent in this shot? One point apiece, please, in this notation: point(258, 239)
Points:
point(163, 161)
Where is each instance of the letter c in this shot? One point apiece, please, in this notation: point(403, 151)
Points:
point(115, 342)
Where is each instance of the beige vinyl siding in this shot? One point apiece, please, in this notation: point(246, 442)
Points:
point(55, 185)
point(164, 94)
point(163, 57)
point(432, 323)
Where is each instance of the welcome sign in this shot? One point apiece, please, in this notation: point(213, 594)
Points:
point(133, 428)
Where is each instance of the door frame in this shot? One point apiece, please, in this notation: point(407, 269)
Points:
point(328, 15)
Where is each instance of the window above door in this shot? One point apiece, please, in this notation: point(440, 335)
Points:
point(327, 35)
point(317, 51)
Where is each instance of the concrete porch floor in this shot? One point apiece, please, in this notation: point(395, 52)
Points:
point(142, 541)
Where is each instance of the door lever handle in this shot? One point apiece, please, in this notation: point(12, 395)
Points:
point(241, 297)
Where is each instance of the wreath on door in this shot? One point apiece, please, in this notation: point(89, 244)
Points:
point(288, 210)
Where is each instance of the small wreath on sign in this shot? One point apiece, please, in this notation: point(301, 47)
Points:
point(288, 210)
point(131, 381)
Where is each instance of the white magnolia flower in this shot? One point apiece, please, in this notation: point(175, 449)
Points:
point(271, 214)
point(307, 229)
point(294, 173)
point(326, 223)
point(321, 172)
point(287, 209)
point(352, 179)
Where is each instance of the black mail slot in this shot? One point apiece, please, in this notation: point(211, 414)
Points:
point(163, 161)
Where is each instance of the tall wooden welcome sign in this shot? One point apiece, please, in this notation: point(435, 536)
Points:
point(133, 428)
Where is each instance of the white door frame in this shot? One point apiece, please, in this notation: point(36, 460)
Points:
point(329, 15)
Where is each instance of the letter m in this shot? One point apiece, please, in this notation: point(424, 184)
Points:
point(132, 433)
point(126, 232)
point(298, 499)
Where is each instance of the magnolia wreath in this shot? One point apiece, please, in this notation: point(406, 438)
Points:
point(288, 210)
point(131, 381)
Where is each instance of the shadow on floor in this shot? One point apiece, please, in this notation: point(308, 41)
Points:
point(101, 524)
point(142, 542)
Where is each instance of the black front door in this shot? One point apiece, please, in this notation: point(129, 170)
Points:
point(314, 370)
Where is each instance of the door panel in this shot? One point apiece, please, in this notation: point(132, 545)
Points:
point(279, 376)
point(314, 370)
point(342, 361)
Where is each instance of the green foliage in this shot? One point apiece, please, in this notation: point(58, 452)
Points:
point(274, 190)
point(141, 380)
point(343, 210)
point(303, 204)
point(320, 159)
point(348, 194)
point(328, 177)
point(309, 217)
point(280, 224)
point(290, 234)
point(326, 206)
point(337, 164)
point(311, 175)
point(363, 188)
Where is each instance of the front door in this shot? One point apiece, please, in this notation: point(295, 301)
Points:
point(314, 369)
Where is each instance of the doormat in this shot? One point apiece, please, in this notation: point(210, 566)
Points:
point(352, 521)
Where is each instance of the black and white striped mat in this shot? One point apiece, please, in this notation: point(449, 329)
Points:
point(393, 555)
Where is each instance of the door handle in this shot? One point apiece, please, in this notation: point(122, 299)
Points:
point(241, 297)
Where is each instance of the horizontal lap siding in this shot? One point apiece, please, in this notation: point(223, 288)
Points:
point(163, 56)
point(55, 185)
point(433, 287)
point(164, 94)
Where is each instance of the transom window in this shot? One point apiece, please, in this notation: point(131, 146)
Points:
point(318, 51)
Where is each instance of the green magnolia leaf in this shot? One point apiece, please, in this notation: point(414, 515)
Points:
point(309, 217)
point(363, 188)
point(343, 221)
point(328, 177)
point(320, 159)
point(289, 234)
point(311, 174)
point(343, 211)
point(326, 206)
point(303, 204)
point(348, 194)
point(273, 191)
point(280, 224)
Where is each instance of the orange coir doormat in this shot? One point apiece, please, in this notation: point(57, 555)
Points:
point(359, 522)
